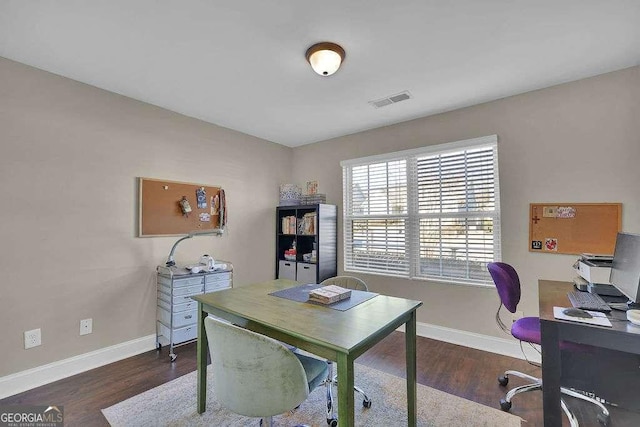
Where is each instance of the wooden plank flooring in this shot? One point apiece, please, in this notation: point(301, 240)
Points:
point(464, 372)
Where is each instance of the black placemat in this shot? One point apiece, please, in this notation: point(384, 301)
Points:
point(301, 294)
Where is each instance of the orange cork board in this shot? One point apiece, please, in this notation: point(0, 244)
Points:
point(160, 211)
point(574, 228)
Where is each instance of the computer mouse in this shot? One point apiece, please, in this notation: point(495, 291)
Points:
point(576, 312)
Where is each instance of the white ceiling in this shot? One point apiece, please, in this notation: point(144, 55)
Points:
point(240, 64)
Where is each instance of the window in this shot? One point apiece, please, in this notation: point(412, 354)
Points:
point(431, 213)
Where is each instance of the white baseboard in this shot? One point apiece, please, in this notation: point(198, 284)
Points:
point(503, 346)
point(35, 377)
point(31, 378)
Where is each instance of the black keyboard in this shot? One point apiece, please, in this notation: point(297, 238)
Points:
point(587, 301)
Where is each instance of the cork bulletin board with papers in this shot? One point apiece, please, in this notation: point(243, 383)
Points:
point(168, 208)
point(574, 228)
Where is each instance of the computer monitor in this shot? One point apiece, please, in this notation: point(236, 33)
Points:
point(625, 268)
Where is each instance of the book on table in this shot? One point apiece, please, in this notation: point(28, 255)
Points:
point(329, 294)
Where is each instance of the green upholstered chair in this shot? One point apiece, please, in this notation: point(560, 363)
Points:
point(347, 282)
point(257, 376)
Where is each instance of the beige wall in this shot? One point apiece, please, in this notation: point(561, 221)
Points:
point(577, 142)
point(70, 155)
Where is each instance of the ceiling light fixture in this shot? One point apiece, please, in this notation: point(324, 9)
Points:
point(325, 57)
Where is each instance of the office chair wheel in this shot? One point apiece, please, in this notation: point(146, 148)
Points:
point(503, 380)
point(333, 422)
point(173, 357)
point(504, 405)
point(158, 346)
point(366, 403)
point(603, 419)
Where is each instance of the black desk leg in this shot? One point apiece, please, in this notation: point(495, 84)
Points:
point(551, 369)
point(202, 351)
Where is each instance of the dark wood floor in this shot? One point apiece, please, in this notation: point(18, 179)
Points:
point(464, 372)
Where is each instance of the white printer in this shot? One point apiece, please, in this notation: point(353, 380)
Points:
point(594, 271)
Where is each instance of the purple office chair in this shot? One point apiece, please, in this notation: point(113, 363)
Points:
point(527, 330)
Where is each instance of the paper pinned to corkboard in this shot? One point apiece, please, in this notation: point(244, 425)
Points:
point(574, 228)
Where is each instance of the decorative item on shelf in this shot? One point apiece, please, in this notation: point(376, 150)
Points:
point(313, 199)
point(307, 224)
point(290, 254)
point(208, 261)
point(312, 187)
point(289, 224)
point(290, 195)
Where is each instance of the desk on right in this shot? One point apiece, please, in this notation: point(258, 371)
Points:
point(623, 336)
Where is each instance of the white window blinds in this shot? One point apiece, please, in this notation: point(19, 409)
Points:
point(425, 213)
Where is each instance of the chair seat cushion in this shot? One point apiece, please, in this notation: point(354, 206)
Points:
point(527, 329)
point(317, 370)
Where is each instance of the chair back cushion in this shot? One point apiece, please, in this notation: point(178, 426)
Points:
point(253, 375)
point(347, 282)
point(507, 283)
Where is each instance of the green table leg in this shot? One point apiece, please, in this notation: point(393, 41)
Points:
point(345, 391)
point(202, 348)
point(410, 337)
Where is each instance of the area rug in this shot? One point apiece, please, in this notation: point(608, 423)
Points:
point(174, 404)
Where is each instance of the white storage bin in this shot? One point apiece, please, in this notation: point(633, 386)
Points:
point(177, 308)
point(306, 273)
point(179, 319)
point(216, 286)
point(163, 304)
point(187, 290)
point(217, 277)
point(180, 335)
point(177, 283)
point(181, 299)
point(191, 305)
point(178, 299)
point(287, 270)
point(185, 334)
point(163, 297)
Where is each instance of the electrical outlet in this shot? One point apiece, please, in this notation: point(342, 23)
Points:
point(32, 338)
point(86, 326)
point(517, 315)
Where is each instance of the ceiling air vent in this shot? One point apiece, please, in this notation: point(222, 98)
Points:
point(392, 99)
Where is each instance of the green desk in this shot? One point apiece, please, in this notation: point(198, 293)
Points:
point(341, 336)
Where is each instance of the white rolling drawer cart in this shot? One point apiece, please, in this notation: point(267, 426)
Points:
point(177, 313)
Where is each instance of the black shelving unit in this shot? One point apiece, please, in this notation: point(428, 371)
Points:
point(321, 237)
